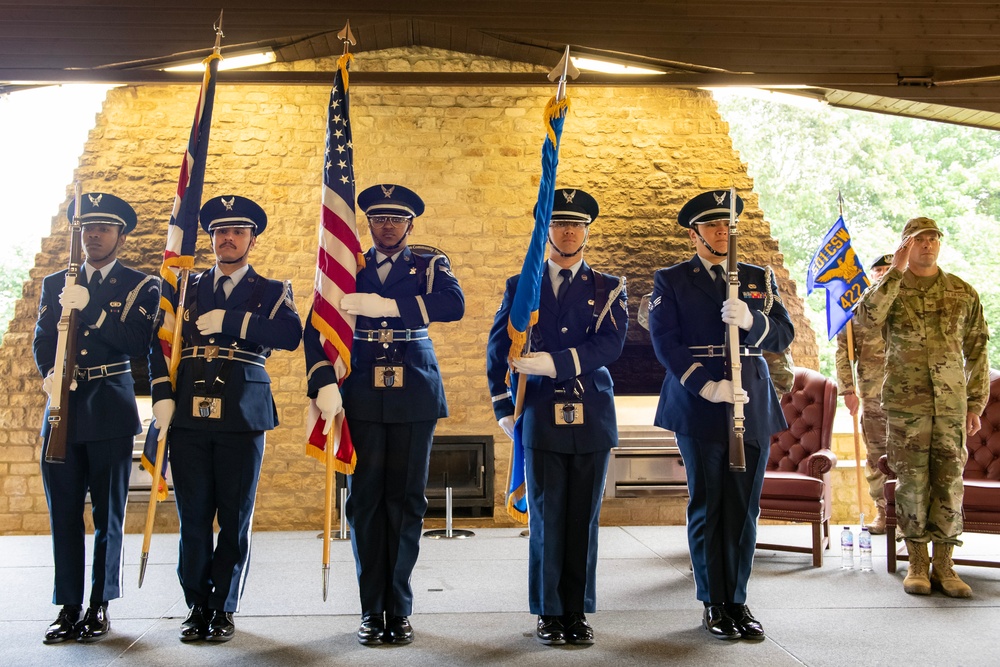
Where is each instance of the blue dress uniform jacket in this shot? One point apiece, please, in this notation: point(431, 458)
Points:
point(392, 429)
point(422, 397)
point(216, 462)
point(565, 466)
point(685, 313)
point(103, 420)
point(567, 333)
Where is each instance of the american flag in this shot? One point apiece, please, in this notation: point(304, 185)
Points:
point(182, 233)
point(338, 260)
point(524, 306)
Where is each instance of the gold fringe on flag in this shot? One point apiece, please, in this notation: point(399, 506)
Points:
point(554, 109)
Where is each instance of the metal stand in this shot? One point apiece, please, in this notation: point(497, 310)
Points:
point(343, 533)
point(448, 533)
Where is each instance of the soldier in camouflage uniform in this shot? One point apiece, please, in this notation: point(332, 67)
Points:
point(868, 367)
point(936, 387)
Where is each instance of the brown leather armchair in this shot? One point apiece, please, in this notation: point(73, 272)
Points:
point(981, 504)
point(797, 479)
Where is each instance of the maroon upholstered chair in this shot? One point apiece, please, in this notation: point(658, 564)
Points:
point(981, 504)
point(797, 478)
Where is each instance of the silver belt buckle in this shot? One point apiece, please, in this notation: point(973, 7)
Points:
point(385, 335)
point(211, 352)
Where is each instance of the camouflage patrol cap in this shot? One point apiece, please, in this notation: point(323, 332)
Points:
point(916, 225)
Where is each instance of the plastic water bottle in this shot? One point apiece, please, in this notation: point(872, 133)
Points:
point(846, 549)
point(865, 549)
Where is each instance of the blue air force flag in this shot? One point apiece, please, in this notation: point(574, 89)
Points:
point(836, 268)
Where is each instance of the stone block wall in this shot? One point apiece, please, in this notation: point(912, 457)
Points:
point(473, 154)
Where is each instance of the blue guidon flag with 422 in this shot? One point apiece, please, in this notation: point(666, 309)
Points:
point(836, 268)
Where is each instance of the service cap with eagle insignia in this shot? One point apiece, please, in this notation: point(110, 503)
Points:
point(706, 207)
point(102, 208)
point(573, 205)
point(390, 199)
point(232, 211)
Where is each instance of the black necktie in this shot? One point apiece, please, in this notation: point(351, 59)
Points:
point(720, 281)
point(95, 283)
point(567, 276)
point(220, 292)
point(383, 273)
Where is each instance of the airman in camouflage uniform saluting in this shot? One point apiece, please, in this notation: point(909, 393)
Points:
point(869, 367)
point(936, 387)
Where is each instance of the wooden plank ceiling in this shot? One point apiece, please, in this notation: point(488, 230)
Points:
point(938, 59)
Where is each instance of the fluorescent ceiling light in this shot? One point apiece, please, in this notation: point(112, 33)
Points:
point(594, 65)
point(230, 62)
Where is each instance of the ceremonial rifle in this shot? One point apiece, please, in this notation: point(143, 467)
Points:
point(734, 367)
point(64, 369)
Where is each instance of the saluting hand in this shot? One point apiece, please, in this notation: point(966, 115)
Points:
point(902, 255)
point(211, 322)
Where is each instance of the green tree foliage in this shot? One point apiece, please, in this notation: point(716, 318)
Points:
point(889, 170)
point(14, 268)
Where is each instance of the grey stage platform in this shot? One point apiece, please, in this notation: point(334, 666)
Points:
point(471, 608)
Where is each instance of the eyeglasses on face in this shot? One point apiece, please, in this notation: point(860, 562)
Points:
point(567, 224)
point(383, 220)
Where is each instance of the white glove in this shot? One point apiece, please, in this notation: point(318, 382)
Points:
point(507, 424)
point(736, 311)
point(47, 384)
point(163, 412)
point(211, 322)
point(329, 402)
point(536, 363)
point(367, 304)
point(722, 392)
point(74, 297)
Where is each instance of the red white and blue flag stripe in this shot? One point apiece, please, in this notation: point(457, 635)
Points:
point(339, 257)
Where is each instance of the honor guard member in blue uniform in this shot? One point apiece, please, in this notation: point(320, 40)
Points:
point(392, 400)
point(569, 425)
point(220, 411)
point(688, 316)
point(117, 306)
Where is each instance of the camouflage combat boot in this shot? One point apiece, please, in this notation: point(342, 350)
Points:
point(917, 581)
point(943, 575)
point(877, 526)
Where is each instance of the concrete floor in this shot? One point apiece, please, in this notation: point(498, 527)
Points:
point(471, 608)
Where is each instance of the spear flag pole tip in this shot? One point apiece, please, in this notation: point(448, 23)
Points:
point(346, 35)
point(564, 68)
point(217, 27)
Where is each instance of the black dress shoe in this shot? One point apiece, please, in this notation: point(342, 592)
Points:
point(64, 627)
point(195, 626)
point(749, 627)
point(372, 628)
point(398, 630)
point(578, 630)
point(718, 623)
point(221, 627)
point(550, 631)
point(95, 625)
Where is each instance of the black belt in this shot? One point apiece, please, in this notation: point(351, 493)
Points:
point(390, 335)
point(212, 352)
point(102, 371)
point(720, 351)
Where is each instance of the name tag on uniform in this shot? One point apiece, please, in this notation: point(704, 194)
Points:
point(568, 413)
point(388, 376)
point(206, 407)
